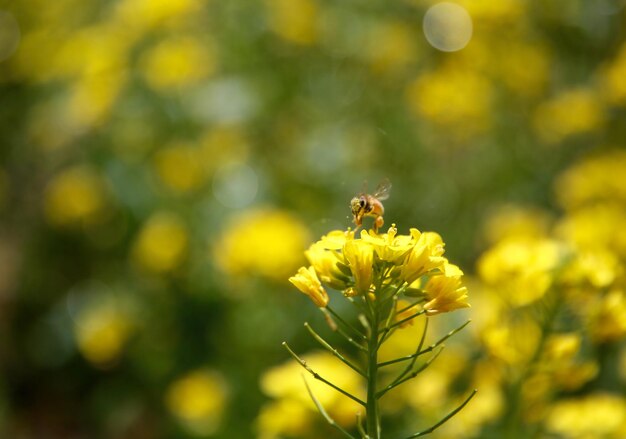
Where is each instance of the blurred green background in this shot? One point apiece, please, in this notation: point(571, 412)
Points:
point(164, 164)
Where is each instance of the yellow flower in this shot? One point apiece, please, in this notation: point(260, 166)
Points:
point(262, 241)
point(445, 292)
point(140, 16)
point(285, 416)
point(180, 167)
point(389, 247)
point(101, 333)
point(391, 47)
point(594, 416)
point(307, 282)
point(75, 196)
point(607, 317)
point(197, 399)
point(326, 263)
point(573, 112)
point(454, 98)
point(360, 258)
point(294, 20)
point(522, 270)
point(162, 243)
point(612, 76)
point(284, 383)
point(178, 62)
point(600, 227)
point(513, 341)
point(512, 221)
point(593, 180)
point(425, 256)
point(336, 239)
point(405, 312)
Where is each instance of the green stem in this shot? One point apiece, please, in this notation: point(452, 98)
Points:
point(372, 422)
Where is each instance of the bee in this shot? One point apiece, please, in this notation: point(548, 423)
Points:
point(366, 204)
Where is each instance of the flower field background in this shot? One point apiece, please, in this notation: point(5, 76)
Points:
point(166, 163)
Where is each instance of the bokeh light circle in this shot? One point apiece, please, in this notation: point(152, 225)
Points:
point(448, 26)
point(235, 185)
point(9, 35)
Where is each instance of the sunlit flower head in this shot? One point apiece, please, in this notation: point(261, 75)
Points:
point(389, 247)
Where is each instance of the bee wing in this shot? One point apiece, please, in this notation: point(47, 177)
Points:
point(382, 191)
point(364, 187)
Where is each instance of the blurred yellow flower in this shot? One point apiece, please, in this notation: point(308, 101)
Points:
point(178, 62)
point(598, 268)
point(562, 346)
point(93, 96)
point(511, 221)
point(513, 341)
point(141, 16)
point(599, 415)
point(445, 292)
point(512, 68)
point(285, 416)
point(75, 196)
point(501, 13)
point(573, 112)
point(263, 241)
point(613, 78)
point(390, 47)
point(595, 179)
point(607, 317)
point(198, 399)
point(293, 20)
point(284, 383)
point(596, 227)
point(521, 270)
point(454, 98)
point(307, 282)
point(180, 167)
point(162, 243)
point(101, 333)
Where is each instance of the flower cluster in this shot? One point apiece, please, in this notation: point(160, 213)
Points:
point(391, 280)
point(379, 266)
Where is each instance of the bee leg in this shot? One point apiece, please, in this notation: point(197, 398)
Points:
point(378, 223)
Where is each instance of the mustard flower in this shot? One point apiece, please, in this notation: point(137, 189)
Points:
point(445, 291)
point(360, 257)
point(389, 247)
point(308, 283)
point(426, 255)
point(391, 279)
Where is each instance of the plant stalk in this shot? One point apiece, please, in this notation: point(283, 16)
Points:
point(373, 419)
